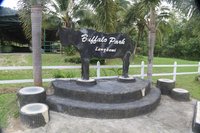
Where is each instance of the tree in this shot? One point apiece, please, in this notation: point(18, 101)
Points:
point(151, 41)
point(145, 16)
point(30, 13)
point(143, 13)
point(36, 19)
point(85, 18)
point(188, 7)
point(183, 41)
point(136, 16)
point(105, 12)
point(151, 35)
point(63, 10)
point(24, 12)
point(25, 16)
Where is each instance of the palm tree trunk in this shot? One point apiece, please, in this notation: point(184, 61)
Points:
point(138, 40)
point(136, 44)
point(36, 19)
point(151, 43)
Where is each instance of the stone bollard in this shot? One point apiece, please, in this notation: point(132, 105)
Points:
point(180, 94)
point(32, 94)
point(196, 118)
point(34, 115)
point(165, 86)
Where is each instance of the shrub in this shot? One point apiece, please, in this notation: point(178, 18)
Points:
point(61, 74)
point(7, 49)
point(95, 60)
point(117, 71)
point(69, 74)
point(70, 50)
point(75, 60)
point(58, 74)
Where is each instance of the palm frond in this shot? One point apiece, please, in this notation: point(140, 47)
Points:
point(62, 5)
point(106, 12)
point(188, 7)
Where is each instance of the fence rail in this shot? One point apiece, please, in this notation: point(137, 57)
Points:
point(98, 68)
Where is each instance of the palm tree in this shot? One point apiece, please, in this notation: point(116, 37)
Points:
point(143, 13)
point(106, 16)
point(151, 25)
point(188, 7)
point(136, 16)
point(30, 13)
point(151, 41)
point(105, 12)
point(85, 18)
point(36, 19)
point(25, 16)
point(63, 10)
point(124, 4)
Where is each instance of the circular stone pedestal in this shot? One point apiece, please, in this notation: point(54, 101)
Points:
point(107, 99)
point(89, 82)
point(165, 85)
point(34, 115)
point(180, 94)
point(32, 94)
point(126, 80)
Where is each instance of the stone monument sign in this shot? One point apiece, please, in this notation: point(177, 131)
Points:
point(90, 43)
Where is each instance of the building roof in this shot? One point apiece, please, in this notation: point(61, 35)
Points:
point(11, 27)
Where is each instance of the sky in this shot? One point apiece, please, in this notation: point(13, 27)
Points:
point(10, 3)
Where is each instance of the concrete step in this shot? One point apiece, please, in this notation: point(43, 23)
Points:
point(105, 110)
point(105, 91)
point(196, 118)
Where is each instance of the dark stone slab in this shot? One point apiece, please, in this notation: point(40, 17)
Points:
point(196, 118)
point(165, 86)
point(106, 91)
point(105, 110)
point(180, 94)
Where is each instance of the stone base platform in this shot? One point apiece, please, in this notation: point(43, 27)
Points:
point(108, 99)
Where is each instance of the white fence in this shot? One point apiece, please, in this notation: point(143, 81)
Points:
point(98, 68)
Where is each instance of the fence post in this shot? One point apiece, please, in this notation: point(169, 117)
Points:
point(98, 70)
point(199, 69)
point(142, 69)
point(174, 73)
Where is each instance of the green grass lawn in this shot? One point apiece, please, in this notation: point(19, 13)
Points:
point(8, 106)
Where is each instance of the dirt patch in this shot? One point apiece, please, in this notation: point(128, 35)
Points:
point(14, 126)
point(13, 60)
point(8, 90)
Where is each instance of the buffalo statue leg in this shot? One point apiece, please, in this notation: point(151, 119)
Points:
point(126, 63)
point(85, 68)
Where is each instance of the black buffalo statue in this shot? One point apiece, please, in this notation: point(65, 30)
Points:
point(90, 44)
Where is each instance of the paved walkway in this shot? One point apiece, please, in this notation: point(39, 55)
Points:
point(170, 117)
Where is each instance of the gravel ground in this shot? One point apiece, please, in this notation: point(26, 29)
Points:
point(170, 117)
